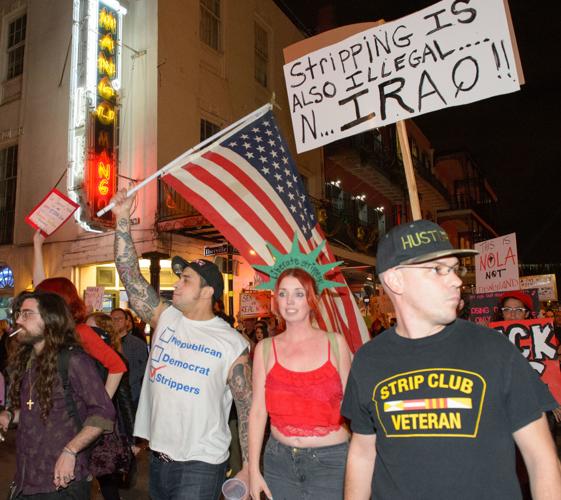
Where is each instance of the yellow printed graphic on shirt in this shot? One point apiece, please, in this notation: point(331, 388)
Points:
point(433, 402)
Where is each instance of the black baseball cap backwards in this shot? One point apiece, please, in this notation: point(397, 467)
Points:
point(208, 270)
point(413, 243)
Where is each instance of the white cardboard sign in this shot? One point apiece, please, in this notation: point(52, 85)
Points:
point(451, 53)
point(496, 266)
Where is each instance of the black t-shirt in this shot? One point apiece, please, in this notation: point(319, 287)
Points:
point(443, 409)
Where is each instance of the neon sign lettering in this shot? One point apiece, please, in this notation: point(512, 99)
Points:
point(107, 21)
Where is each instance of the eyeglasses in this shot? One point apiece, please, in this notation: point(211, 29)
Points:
point(513, 309)
point(441, 269)
point(24, 315)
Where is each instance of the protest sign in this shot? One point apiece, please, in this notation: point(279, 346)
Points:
point(448, 54)
point(483, 308)
point(537, 342)
point(93, 297)
point(254, 304)
point(51, 213)
point(496, 266)
point(545, 283)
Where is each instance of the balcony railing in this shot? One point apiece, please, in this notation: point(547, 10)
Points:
point(347, 227)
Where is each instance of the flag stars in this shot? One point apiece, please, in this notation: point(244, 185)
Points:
point(271, 143)
point(280, 189)
point(285, 160)
point(276, 165)
point(246, 145)
point(268, 132)
point(244, 136)
point(265, 170)
point(233, 144)
point(291, 196)
point(249, 154)
point(263, 159)
point(274, 154)
point(289, 184)
point(292, 208)
point(258, 138)
point(287, 172)
point(255, 130)
point(261, 149)
point(278, 177)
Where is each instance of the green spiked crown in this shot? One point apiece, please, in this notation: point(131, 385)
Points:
point(297, 259)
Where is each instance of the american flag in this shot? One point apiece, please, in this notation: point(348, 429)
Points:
point(246, 184)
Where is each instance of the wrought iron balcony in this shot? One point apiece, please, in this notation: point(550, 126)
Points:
point(346, 226)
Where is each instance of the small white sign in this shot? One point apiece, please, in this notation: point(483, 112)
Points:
point(545, 283)
point(93, 297)
point(496, 266)
point(51, 213)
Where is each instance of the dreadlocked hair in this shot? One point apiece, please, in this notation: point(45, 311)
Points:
point(59, 333)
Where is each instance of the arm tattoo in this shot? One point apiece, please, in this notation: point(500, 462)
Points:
point(143, 298)
point(240, 385)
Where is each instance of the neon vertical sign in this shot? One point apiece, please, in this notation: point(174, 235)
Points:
point(93, 141)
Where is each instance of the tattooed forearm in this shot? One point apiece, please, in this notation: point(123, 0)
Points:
point(240, 385)
point(143, 298)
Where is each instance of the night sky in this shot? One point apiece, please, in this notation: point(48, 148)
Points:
point(515, 139)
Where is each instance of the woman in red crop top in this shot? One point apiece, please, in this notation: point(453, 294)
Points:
point(298, 381)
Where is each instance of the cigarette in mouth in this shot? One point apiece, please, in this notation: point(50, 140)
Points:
point(14, 333)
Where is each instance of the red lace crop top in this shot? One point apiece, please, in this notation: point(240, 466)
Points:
point(304, 403)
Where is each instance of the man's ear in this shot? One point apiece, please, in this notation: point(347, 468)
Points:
point(207, 292)
point(393, 280)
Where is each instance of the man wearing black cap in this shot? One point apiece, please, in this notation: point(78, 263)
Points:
point(197, 365)
point(436, 403)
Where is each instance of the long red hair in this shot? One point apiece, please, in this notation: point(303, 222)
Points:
point(66, 289)
point(308, 284)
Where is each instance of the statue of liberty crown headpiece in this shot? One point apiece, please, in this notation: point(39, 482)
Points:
point(297, 259)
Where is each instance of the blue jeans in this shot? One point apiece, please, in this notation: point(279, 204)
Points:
point(305, 473)
point(190, 480)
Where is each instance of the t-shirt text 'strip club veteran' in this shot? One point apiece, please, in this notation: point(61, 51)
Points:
point(433, 402)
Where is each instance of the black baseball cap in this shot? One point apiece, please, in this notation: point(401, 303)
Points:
point(208, 270)
point(413, 243)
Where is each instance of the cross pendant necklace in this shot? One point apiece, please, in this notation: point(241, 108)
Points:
point(30, 402)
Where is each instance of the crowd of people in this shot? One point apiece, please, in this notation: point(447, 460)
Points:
point(432, 407)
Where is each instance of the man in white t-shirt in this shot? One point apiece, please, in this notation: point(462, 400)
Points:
point(198, 364)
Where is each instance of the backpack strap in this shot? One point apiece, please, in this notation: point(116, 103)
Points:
point(266, 351)
point(63, 361)
point(334, 346)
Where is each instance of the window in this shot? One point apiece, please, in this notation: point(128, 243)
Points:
point(261, 55)
point(208, 129)
point(8, 180)
point(210, 23)
point(16, 46)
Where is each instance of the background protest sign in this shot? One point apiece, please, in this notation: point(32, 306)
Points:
point(449, 54)
point(51, 212)
point(536, 340)
point(93, 298)
point(483, 308)
point(254, 304)
point(545, 283)
point(496, 266)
